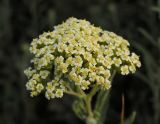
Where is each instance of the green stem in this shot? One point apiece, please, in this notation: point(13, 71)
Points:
point(88, 100)
point(93, 91)
point(81, 91)
point(88, 106)
point(73, 94)
point(90, 117)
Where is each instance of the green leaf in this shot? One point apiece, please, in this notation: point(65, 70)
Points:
point(149, 60)
point(101, 106)
point(148, 36)
point(78, 108)
point(131, 119)
point(156, 9)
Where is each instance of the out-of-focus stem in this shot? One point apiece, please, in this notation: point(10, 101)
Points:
point(122, 111)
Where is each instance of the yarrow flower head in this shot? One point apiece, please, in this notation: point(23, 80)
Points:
point(77, 53)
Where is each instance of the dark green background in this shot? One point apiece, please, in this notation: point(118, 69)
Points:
point(22, 20)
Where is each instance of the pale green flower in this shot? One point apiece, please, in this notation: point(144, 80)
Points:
point(44, 74)
point(59, 93)
point(39, 87)
point(124, 70)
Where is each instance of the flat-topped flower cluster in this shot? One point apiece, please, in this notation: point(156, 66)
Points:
point(79, 53)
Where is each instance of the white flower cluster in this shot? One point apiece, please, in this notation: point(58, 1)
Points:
point(80, 52)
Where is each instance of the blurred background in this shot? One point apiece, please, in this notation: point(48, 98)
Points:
point(135, 20)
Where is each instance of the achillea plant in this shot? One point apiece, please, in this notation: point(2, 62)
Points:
point(79, 59)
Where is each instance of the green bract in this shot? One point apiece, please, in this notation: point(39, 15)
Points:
point(77, 53)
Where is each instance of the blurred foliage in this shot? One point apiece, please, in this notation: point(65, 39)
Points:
point(22, 20)
point(152, 70)
point(131, 118)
